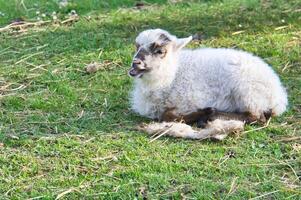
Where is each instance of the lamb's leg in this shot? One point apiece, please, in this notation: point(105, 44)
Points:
point(265, 116)
point(246, 117)
point(203, 116)
point(243, 116)
point(200, 115)
point(170, 116)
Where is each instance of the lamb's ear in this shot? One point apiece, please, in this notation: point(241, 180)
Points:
point(164, 40)
point(181, 42)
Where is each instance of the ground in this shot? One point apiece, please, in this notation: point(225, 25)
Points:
point(68, 134)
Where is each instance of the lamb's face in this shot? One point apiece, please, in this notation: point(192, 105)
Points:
point(152, 49)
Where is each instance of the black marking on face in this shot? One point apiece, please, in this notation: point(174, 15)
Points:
point(157, 49)
point(142, 53)
point(153, 47)
point(164, 38)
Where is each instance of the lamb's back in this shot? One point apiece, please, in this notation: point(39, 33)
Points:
point(220, 78)
point(202, 80)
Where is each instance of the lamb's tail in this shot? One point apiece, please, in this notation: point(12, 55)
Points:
point(217, 129)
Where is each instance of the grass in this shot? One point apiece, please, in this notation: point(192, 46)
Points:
point(67, 134)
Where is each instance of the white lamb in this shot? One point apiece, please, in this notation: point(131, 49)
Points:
point(168, 76)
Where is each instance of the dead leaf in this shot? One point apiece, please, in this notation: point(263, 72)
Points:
point(13, 137)
point(92, 67)
point(143, 192)
point(280, 28)
point(238, 32)
point(198, 37)
point(297, 147)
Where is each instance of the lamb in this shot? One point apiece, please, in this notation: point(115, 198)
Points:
point(169, 76)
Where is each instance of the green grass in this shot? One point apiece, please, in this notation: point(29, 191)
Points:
point(68, 134)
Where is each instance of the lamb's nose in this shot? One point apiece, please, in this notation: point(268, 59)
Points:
point(136, 62)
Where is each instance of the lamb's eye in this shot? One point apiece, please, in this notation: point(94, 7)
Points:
point(137, 46)
point(158, 51)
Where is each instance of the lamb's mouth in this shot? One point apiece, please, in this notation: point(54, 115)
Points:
point(134, 72)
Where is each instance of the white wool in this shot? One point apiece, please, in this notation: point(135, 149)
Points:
point(217, 129)
point(226, 79)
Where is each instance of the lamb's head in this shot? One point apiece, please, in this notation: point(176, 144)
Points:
point(156, 50)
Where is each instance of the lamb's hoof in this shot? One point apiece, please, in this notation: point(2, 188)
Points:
point(264, 117)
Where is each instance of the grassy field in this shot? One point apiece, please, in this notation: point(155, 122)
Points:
point(67, 134)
